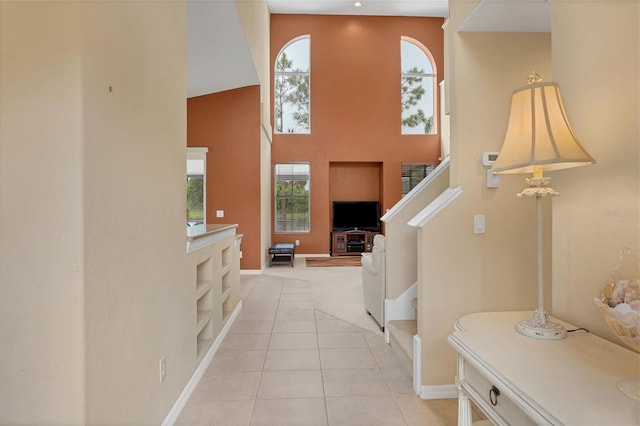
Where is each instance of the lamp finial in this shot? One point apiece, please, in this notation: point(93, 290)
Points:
point(534, 77)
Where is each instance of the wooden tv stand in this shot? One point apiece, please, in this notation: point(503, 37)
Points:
point(351, 242)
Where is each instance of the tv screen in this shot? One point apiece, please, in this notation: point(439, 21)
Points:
point(356, 215)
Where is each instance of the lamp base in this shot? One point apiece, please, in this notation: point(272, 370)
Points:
point(541, 327)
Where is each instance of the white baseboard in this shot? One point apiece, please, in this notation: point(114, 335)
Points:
point(401, 307)
point(438, 392)
point(250, 271)
point(428, 392)
point(179, 405)
point(417, 364)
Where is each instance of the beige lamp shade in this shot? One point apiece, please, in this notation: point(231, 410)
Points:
point(539, 134)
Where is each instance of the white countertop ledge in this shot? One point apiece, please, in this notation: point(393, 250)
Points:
point(200, 236)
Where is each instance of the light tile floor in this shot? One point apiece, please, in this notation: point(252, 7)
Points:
point(286, 362)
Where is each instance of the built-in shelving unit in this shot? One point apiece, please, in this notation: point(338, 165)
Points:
point(226, 283)
point(216, 259)
point(204, 305)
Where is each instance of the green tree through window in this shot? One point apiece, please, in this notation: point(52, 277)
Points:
point(196, 198)
point(291, 88)
point(292, 195)
point(417, 83)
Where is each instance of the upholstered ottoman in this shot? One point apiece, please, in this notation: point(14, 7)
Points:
point(282, 253)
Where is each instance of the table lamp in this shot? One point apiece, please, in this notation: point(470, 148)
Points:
point(539, 139)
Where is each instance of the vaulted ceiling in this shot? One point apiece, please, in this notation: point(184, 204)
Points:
point(218, 57)
point(368, 7)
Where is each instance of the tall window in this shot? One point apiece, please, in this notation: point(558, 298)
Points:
point(412, 174)
point(292, 210)
point(291, 88)
point(417, 86)
point(196, 171)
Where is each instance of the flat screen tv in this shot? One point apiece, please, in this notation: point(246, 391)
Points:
point(356, 216)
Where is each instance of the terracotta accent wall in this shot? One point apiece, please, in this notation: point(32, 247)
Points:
point(342, 177)
point(228, 123)
point(355, 106)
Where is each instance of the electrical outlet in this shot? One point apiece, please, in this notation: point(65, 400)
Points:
point(297, 242)
point(240, 255)
point(163, 369)
point(219, 213)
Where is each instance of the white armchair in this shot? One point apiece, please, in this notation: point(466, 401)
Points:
point(373, 280)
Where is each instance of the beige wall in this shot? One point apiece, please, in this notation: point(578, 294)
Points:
point(401, 239)
point(596, 61)
point(94, 283)
point(597, 211)
point(41, 258)
point(138, 292)
point(460, 272)
point(265, 194)
point(255, 19)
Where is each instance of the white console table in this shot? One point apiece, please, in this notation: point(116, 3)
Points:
point(559, 382)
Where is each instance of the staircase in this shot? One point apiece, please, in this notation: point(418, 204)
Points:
point(400, 336)
point(401, 331)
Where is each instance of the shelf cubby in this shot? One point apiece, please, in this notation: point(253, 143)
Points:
point(227, 256)
point(217, 289)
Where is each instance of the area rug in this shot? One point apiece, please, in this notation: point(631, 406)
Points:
point(333, 261)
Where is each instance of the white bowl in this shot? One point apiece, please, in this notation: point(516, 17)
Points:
point(622, 319)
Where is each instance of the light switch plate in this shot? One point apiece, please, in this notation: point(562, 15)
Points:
point(493, 180)
point(478, 224)
point(219, 213)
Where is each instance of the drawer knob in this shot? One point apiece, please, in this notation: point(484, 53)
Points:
point(494, 393)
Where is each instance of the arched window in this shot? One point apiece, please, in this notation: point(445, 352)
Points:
point(291, 89)
point(418, 88)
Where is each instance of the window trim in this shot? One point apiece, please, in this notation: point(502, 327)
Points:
point(276, 74)
point(275, 198)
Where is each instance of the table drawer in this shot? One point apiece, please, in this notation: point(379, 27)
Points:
point(505, 411)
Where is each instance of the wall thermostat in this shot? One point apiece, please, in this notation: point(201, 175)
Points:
point(488, 158)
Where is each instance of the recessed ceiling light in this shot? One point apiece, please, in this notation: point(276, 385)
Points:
point(357, 4)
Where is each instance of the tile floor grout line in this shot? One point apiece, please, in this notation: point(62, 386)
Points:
point(264, 361)
point(324, 390)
